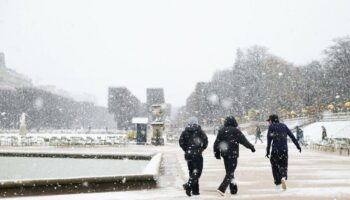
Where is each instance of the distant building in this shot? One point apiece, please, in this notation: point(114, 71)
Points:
point(47, 110)
point(54, 90)
point(10, 79)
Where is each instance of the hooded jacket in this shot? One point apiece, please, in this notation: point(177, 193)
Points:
point(228, 140)
point(193, 141)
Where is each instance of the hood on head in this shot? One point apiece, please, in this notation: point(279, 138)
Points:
point(230, 121)
point(193, 128)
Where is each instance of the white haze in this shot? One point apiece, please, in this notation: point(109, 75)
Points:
point(84, 46)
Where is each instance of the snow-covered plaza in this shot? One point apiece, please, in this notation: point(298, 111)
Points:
point(312, 175)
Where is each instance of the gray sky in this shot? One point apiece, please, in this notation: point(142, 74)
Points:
point(86, 46)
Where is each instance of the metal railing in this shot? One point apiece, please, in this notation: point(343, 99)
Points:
point(340, 146)
point(341, 116)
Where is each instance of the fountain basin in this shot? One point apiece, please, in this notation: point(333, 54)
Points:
point(50, 173)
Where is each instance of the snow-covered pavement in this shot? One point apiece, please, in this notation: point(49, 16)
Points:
point(312, 175)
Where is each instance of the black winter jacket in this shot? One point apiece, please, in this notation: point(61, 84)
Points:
point(228, 140)
point(193, 141)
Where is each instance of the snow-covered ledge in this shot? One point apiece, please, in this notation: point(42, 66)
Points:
point(153, 166)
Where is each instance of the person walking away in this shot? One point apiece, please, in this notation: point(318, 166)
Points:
point(258, 134)
point(300, 136)
point(277, 136)
point(226, 146)
point(324, 133)
point(193, 142)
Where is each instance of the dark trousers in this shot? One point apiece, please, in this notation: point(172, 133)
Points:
point(195, 167)
point(301, 141)
point(230, 167)
point(279, 165)
point(258, 137)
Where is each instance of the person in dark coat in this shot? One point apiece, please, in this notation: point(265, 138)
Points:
point(277, 136)
point(226, 146)
point(324, 133)
point(193, 142)
point(300, 135)
point(258, 134)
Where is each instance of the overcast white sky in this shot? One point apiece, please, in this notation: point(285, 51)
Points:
point(89, 45)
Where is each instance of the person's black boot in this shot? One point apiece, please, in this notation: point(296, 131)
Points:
point(233, 188)
point(187, 188)
point(184, 186)
point(195, 189)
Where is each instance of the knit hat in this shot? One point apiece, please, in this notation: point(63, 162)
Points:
point(192, 121)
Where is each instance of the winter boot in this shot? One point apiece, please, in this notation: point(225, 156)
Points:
point(233, 188)
point(195, 189)
point(187, 188)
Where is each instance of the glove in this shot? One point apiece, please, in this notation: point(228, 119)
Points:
point(252, 149)
point(217, 155)
point(299, 149)
point(267, 155)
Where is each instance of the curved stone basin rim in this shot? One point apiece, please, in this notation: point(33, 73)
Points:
point(77, 180)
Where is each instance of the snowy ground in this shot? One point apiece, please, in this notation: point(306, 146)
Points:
point(335, 129)
point(312, 175)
